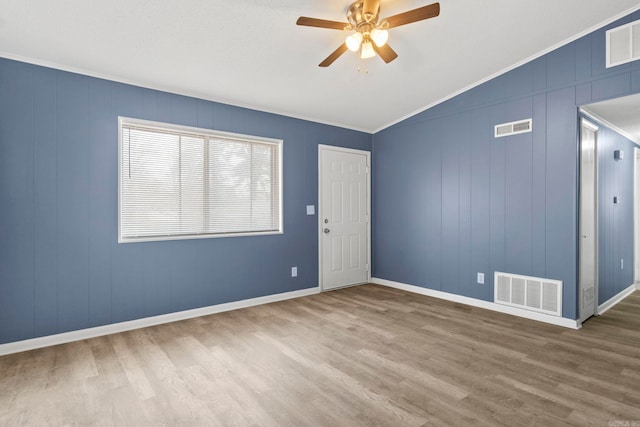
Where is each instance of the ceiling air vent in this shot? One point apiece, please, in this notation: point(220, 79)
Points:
point(623, 44)
point(513, 128)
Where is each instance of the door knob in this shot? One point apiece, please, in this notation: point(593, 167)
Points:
point(326, 231)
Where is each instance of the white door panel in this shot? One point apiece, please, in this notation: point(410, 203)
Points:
point(588, 257)
point(344, 227)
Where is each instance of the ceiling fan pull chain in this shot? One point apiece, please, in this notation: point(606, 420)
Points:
point(366, 69)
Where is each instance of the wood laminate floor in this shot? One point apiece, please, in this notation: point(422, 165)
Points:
point(367, 355)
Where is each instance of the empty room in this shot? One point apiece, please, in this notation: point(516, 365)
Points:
point(328, 213)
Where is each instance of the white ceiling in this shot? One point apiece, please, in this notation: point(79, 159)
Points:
point(250, 52)
point(622, 114)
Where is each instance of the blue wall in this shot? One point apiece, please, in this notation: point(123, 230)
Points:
point(61, 267)
point(615, 221)
point(450, 200)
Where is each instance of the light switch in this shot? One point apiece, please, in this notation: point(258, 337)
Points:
point(481, 278)
point(311, 210)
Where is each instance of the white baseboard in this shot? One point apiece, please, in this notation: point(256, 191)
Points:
point(602, 308)
point(82, 334)
point(541, 317)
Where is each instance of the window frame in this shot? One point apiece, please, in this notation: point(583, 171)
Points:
point(208, 133)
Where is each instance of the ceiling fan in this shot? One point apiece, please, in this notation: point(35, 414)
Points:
point(369, 31)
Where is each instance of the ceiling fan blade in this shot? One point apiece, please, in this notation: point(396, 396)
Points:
point(414, 15)
point(335, 55)
point(321, 23)
point(386, 53)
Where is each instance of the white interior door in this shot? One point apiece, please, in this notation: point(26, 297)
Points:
point(344, 187)
point(588, 273)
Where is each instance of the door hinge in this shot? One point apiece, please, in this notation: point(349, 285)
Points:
point(366, 169)
point(366, 267)
point(366, 218)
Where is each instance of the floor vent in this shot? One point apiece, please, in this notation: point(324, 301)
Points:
point(513, 128)
point(528, 293)
point(623, 44)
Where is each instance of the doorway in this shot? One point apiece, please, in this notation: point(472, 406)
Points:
point(588, 221)
point(344, 229)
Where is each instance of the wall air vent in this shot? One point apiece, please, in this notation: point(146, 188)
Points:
point(623, 44)
point(513, 128)
point(528, 293)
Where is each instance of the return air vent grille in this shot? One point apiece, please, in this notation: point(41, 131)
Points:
point(623, 44)
point(528, 293)
point(513, 128)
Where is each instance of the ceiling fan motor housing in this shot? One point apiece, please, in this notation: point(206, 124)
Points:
point(358, 16)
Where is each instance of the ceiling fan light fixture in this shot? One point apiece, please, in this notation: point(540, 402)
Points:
point(365, 28)
point(367, 50)
point(379, 36)
point(353, 41)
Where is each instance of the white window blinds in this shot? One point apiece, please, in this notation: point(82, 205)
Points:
point(178, 183)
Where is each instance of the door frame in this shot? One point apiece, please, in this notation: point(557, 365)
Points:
point(367, 154)
point(586, 122)
point(636, 215)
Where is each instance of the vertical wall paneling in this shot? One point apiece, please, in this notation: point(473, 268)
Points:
point(518, 212)
point(464, 237)
point(72, 136)
point(539, 187)
point(17, 203)
point(61, 267)
point(451, 177)
point(433, 190)
point(497, 195)
point(518, 191)
point(407, 245)
point(45, 199)
point(561, 192)
point(480, 153)
point(102, 200)
point(615, 220)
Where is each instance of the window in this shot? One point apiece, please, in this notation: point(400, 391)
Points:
point(177, 182)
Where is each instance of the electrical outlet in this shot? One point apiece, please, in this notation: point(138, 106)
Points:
point(481, 278)
point(621, 264)
point(294, 271)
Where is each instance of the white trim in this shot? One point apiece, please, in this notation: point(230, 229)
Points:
point(540, 317)
point(367, 154)
point(636, 214)
point(605, 306)
point(114, 328)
